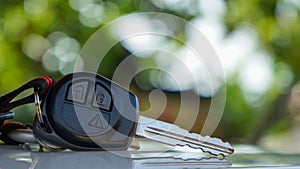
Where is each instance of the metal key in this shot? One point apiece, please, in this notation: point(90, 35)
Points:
point(175, 136)
point(162, 132)
point(85, 111)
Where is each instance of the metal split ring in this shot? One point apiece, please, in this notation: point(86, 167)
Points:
point(38, 107)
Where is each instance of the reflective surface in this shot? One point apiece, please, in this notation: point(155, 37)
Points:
point(16, 157)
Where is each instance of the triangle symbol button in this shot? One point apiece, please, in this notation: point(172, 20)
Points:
point(96, 122)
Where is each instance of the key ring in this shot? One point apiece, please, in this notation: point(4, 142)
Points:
point(38, 108)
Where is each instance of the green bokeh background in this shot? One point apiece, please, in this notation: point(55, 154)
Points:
point(275, 22)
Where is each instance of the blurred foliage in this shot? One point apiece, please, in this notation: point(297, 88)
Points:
point(278, 32)
point(277, 26)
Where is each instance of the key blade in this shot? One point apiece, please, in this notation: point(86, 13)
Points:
point(207, 144)
point(173, 135)
point(143, 130)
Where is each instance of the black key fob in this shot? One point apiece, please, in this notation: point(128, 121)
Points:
point(85, 111)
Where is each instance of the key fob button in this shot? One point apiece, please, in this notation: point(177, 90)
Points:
point(102, 99)
point(85, 123)
point(77, 92)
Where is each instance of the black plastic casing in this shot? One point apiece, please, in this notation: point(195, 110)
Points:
point(85, 111)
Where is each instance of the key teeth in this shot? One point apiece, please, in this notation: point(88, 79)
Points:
point(214, 140)
point(227, 144)
point(215, 154)
point(182, 137)
point(210, 139)
point(209, 151)
point(221, 141)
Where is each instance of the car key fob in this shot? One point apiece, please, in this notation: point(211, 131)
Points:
point(85, 111)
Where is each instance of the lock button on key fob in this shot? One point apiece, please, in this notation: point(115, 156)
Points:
point(85, 111)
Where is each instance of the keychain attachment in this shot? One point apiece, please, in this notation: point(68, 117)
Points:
point(41, 86)
point(38, 108)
